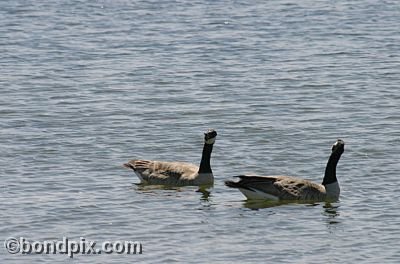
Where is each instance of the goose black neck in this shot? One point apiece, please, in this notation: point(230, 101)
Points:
point(205, 166)
point(330, 170)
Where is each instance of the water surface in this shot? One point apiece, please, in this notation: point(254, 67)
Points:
point(87, 85)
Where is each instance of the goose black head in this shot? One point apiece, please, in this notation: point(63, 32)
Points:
point(209, 136)
point(338, 147)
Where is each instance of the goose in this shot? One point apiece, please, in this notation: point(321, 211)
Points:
point(287, 188)
point(177, 173)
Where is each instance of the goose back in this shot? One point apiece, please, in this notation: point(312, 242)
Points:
point(168, 173)
point(278, 188)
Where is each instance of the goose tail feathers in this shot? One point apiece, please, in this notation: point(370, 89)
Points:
point(129, 166)
point(232, 184)
point(235, 184)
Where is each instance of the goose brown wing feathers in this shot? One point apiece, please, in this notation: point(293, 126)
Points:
point(281, 187)
point(161, 172)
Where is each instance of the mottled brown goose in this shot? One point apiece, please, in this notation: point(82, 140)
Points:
point(293, 188)
point(177, 173)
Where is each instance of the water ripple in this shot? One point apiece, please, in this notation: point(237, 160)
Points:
point(87, 86)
